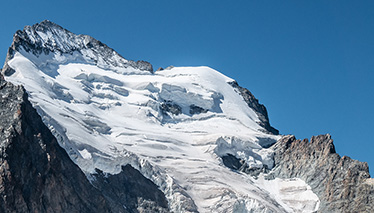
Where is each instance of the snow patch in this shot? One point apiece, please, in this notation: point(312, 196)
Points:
point(85, 154)
point(293, 194)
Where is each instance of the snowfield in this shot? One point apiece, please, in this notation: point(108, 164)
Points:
point(173, 126)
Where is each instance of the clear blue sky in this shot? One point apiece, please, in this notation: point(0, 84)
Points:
point(310, 62)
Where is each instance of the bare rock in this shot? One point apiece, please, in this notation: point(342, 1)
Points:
point(341, 183)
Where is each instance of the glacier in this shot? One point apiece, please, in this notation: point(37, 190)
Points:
point(173, 125)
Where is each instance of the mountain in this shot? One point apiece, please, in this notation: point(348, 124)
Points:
point(181, 139)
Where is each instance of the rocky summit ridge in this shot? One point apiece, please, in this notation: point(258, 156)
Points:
point(47, 37)
point(110, 135)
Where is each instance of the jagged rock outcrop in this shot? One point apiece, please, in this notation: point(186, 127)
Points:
point(36, 174)
point(253, 103)
point(47, 37)
point(341, 183)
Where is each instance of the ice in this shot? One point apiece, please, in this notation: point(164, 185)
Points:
point(85, 154)
point(293, 194)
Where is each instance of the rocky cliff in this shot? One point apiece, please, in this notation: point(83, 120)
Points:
point(341, 183)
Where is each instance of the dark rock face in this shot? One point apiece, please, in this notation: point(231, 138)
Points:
point(253, 103)
point(169, 106)
point(130, 189)
point(232, 162)
point(197, 110)
point(62, 41)
point(342, 184)
point(36, 174)
point(142, 65)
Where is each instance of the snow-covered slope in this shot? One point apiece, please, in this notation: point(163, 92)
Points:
point(173, 125)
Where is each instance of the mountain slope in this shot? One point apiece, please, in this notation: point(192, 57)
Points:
point(183, 132)
point(36, 174)
point(173, 126)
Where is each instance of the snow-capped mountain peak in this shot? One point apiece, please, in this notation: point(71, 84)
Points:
point(181, 127)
